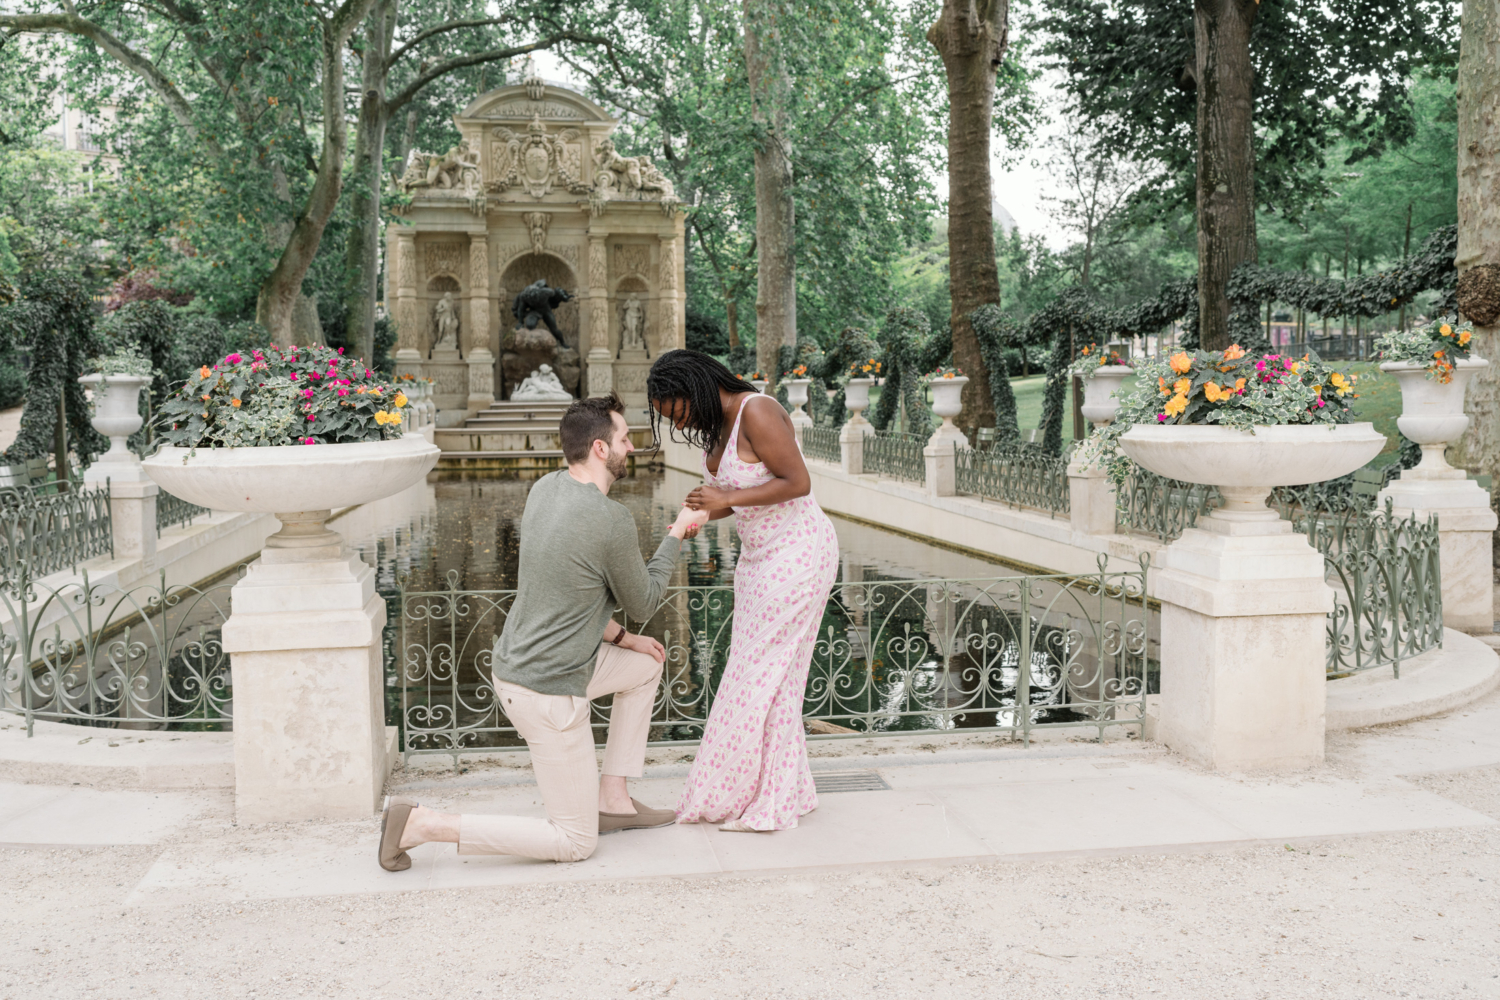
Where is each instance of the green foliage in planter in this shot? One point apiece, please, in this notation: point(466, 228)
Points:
point(54, 317)
point(296, 395)
point(122, 361)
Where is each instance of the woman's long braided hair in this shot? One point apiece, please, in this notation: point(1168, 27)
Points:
point(696, 379)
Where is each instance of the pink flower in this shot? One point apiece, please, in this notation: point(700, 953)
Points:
point(343, 392)
point(312, 416)
point(341, 350)
point(308, 393)
point(313, 375)
point(367, 373)
point(1161, 418)
point(308, 441)
point(1260, 366)
point(232, 359)
point(293, 376)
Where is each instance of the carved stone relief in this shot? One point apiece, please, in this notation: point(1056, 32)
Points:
point(406, 266)
point(536, 226)
point(532, 109)
point(444, 258)
point(632, 259)
point(630, 378)
point(598, 269)
point(534, 160)
point(479, 263)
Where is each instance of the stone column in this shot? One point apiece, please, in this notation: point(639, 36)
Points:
point(1091, 499)
point(852, 446)
point(407, 310)
point(600, 378)
point(132, 505)
point(666, 338)
point(310, 740)
point(1466, 524)
point(481, 361)
point(941, 454)
point(1243, 613)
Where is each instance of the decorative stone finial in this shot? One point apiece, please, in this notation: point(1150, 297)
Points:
point(535, 88)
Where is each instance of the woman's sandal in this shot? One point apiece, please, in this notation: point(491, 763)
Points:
point(392, 825)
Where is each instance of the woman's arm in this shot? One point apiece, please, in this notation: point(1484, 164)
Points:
point(769, 432)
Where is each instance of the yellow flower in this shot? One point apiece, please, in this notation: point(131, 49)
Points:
point(1181, 363)
point(1317, 390)
point(1233, 352)
point(1464, 338)
point(1293, 367)
point(1213, 392)
point(1337, 379)
point(1446, 330)
point(1182, 385)
point(400, 399)
point(1175, 405)
point(1239, 384)
point(374, 392)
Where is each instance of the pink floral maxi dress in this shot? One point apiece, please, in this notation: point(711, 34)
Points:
point(752, 764)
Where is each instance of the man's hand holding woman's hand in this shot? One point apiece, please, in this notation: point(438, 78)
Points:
point(688, 522)
point(708, 498)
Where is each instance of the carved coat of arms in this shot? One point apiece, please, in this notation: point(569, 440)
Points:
point(534, 160)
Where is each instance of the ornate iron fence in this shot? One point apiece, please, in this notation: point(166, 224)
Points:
point(821, 443)
point(145, 658)
point(1014, 654)
point(896, 455)
point(1015, 474)
point(43, 530)
point(171, 510)
point(1387, 583)
point(1155, 505)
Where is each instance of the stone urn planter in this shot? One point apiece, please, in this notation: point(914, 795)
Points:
point(857, 401)
point(1246, 467)
point(760, 384)
point(1244, 600)
point(117, 400)
point(947, 402)
point(304, 635)
point(796, 394)
point(1432, 412)
point(300, 484)
point(1100, 405)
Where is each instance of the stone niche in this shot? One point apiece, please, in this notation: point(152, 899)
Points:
point(538, 347)
point(535, 191)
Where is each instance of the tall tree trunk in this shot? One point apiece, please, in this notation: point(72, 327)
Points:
point(281, 307)
point(732, 323)
point(775, 215)
point(1478, 258)
point(362, 251)
point(970, 37)
point(1226, 158)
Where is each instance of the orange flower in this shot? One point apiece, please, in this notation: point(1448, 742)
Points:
point(1464, 338)
point(1239, 385)
point(1213, 391)
point(205, 372)
point(1232, 352)
point(1181, 362)
point(1176, 405)
point(235, 403)
point(1182, 385)
point(204, 397)
point(1163, 384)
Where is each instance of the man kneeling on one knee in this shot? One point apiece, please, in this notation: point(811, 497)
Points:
point(559, 649)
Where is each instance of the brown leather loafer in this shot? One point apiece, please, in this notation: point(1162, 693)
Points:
point(392, 825)
point(644, 818)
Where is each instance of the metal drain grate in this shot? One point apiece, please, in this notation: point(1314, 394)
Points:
point(850, 781)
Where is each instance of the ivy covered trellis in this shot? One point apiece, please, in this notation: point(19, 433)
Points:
point(53, 316)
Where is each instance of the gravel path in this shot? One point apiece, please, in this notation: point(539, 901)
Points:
point(1412, 915)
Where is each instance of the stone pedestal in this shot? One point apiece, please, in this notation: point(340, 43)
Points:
point(601, 376)
point(309, 707)
point(629, 375)
point(408, 362)
point(852, 444)
point(1466, 525)
point(1091, 499)
point(940, 456)
point(1243, 617)
point(132, 504)
point(450, 386)
point(481, 380)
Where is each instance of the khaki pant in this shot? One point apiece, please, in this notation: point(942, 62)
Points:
point(556, 729)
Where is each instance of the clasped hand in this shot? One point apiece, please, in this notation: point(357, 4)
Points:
point(688, 522)
point(708, 499)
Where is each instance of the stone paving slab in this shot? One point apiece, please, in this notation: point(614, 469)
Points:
point(48, 815)
point(1065, 807)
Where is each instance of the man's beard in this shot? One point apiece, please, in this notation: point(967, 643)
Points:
point(617, 464)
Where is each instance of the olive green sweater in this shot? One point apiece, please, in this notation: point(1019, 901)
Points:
point(580, 561)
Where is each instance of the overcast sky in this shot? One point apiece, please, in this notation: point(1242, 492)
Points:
point(1019, 188)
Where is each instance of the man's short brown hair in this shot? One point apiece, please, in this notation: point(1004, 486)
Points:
point(587, 421)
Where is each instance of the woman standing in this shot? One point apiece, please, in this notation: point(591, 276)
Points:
point(751, 770)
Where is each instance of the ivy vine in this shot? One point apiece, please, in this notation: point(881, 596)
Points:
point(53, 316)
